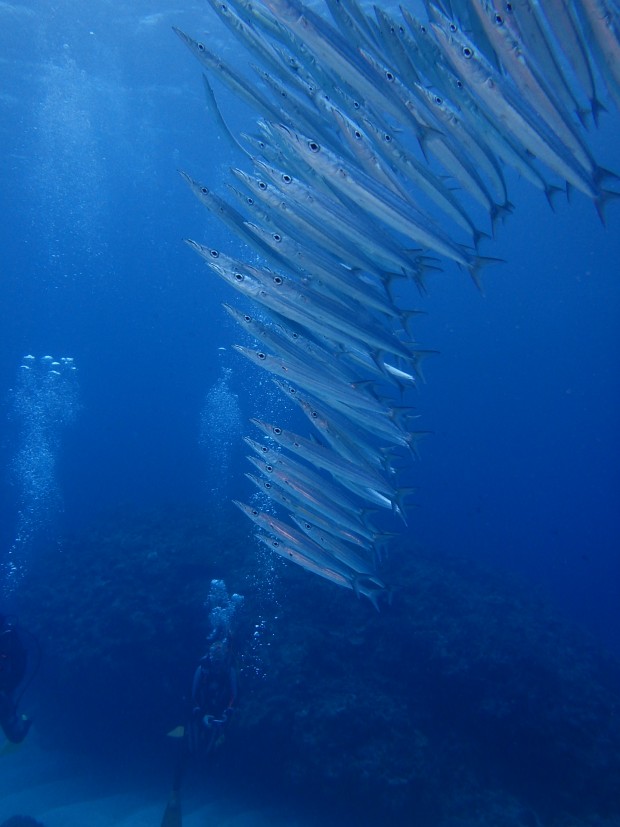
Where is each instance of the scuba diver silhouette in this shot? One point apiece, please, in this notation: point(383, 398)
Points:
point(213, 696)
point(13, 666)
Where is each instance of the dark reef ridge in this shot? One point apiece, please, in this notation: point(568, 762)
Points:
point(465, 701)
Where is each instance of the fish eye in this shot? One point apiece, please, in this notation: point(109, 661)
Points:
point(452, 27)
point(313, 414)
point(387, 138)
point(292, 391)
point(357, 134)
point(247, 318)
point(313, 146)
point(438, 100)
point(277, 430)
point(262, 185)
point(249, 201)
point(287, 178)
point(296, 445)
point(269, 468)
point(356, 105)
point(508, 6)
point(201, 47)
point(389, 76)
point(264, 449)
point(277, 237)
point(423, 29)
point(204, 190)
point(238, 277)
point(459, 84)
point(499, 20)
point(214, 254)
point(467, 52)
point(261, 355)
point(278, 280)
point(307, 525)
point(267, 485)
point(294, 335)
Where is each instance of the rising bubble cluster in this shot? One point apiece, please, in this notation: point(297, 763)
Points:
point(222, 609)
point(44, 401)
point(220, 429)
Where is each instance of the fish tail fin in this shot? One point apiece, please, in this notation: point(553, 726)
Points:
point(413, 437)
point(398, 504)
point(416, 363)
point(601, 201)
point(475, 265)
point(551, 191)
point(596, 107)
point(478, 235)
point(583, 113)
point(499, 212)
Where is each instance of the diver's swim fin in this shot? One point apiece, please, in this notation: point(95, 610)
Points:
point(172, 814)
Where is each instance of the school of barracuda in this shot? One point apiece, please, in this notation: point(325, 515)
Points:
point(380, 150)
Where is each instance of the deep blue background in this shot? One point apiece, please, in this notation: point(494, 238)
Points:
point(99, 107)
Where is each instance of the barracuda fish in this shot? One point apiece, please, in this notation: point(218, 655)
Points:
point(475, 149)
point(328, 270)
point(324, 560)
point(362, 152)
point(308, 496)
point(332, 51)
point(332, 523)
point(343, 470)
point(379, 202)
point(427, 54)
point(295, 539)
point(359, 584)
point(350, 395)
point(531, 86)
point(327, 222)
point(351, 557)
point(297, 477)
point(373, 164)
point(398, 46)
point(523, 18)
point(560, 19)
point(506, 148)
point(433, 139)
point(245, 31)
point(342, 322)
point(337, 216)
point(601, 23)
point(287, 344)
point(516, 116)
point(338, 436)
point(388, 424)
point(352, 22)
point(234, 82)
point(312, 310)
point(229, 216)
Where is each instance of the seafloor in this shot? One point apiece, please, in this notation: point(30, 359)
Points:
point(465, 702)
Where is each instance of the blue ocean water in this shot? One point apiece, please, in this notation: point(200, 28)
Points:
point(100, 107)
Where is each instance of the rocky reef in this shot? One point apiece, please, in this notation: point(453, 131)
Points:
point(466, 701)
